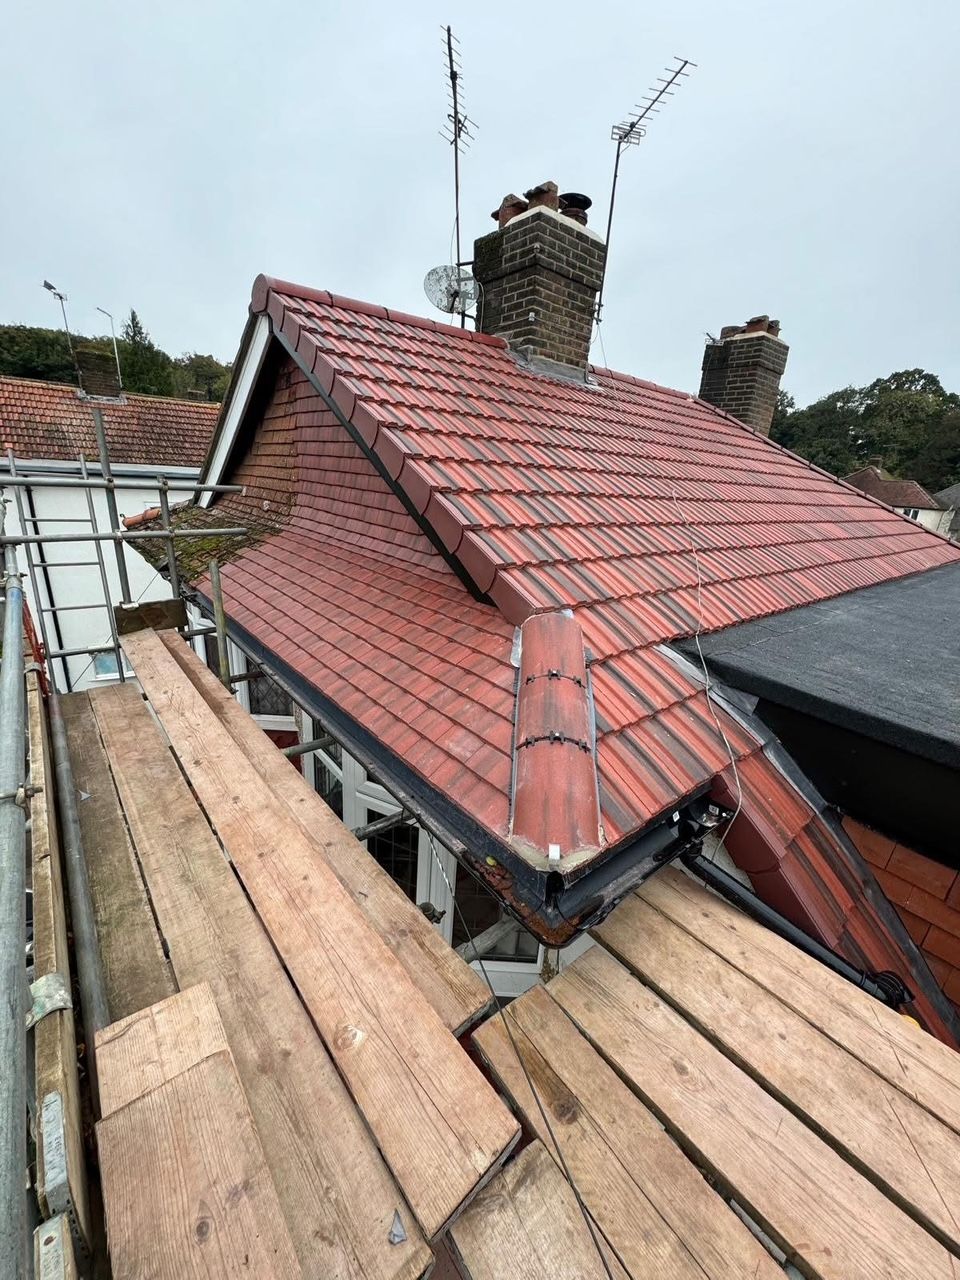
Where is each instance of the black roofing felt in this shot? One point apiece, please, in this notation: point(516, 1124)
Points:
point(884, 661)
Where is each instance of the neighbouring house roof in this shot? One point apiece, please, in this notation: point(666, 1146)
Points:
point(52, 421)
point(886, 488)
point(417, 494)
point(949, 500)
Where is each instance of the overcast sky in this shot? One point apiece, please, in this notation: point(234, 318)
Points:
point(161, 155)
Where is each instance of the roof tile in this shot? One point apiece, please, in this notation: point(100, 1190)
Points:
point(52, 421)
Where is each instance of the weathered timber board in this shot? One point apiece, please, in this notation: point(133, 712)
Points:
point(61, 1171)
point(336, 1191)
point(440, 1125)
point(824, 1214)
point(917, 1063)
point(143, 1051)
point(527, 1223)
point(652, 1205)
point(907, 1152)
point(136, 973)
point(187, 1191)
point(457, 992)
point(53, 1256)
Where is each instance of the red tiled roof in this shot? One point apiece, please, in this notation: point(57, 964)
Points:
point(49, 420)
point(895, 493)
point(643, 511)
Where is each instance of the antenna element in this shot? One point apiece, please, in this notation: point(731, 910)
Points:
point(630, 131)
point(456, 131)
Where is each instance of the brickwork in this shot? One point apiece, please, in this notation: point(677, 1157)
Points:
point(741, 372)
point(540, 275)
point(926, 895)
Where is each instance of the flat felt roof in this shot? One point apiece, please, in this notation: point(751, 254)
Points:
point(884, 661)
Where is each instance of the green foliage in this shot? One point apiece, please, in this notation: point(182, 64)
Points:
point(28, 352)
point(907, 419)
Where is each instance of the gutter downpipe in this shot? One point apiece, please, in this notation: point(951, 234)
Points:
point(14, 1237)
point(889, 989)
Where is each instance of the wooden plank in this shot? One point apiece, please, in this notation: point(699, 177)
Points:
point(186, 1189)
point(458, 993)
point(336, 1191)
point(139, 1053)
point(527, 1223)
point(830, 1220)
point(53, 1256)
point(920, 1066)
point(136, 973)
point(439, 1124)
point(653, 1206)
point(61, 1168)
point(149, 613)
point(905, 1150)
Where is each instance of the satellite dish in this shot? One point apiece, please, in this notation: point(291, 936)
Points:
point(452, 289)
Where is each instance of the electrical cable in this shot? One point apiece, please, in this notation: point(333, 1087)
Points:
point(591, 1227)
point(708, 682)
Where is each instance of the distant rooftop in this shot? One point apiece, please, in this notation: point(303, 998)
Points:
point(877, 483)
point(52, 421)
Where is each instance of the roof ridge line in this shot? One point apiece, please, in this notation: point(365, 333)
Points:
point(264, 285)
point(105, 402)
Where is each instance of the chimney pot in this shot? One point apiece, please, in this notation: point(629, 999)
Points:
point(510, 206)
point(546, 195)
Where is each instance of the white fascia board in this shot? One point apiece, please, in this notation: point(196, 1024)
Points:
point(230, 422)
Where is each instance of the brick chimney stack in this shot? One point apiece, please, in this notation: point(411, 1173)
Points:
point(742, 371)
point(539, 274)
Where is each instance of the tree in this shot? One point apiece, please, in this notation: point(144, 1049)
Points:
point(145, 368)
point(907, 419)
point(193, 372)
point(28, 352)
point(785, 406)
point(827, 432)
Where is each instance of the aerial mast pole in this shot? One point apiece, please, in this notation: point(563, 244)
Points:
point(629, 133)
point(457, 133)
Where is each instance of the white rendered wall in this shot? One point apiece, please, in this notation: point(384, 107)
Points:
point(66, 510)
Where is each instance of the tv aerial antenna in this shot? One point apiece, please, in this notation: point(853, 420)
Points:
point(630, 132)
point(458, 289)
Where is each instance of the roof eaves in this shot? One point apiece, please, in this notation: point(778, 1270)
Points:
point(554, 902)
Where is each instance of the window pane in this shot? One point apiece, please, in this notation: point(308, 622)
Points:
point(105, 666)
point(396, 851)
point(330, 788)
point(268, 699)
